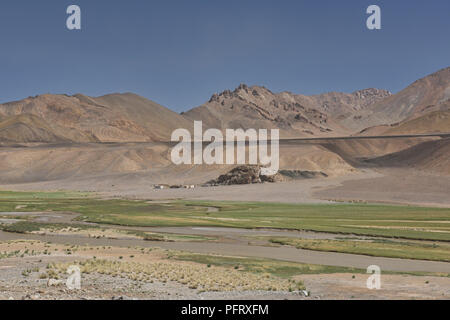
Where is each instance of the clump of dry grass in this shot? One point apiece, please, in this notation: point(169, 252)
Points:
point(195, 276)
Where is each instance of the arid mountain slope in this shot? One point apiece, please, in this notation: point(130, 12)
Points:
point(31, 128)
point(433, 122)
point(131, 118)
point(47, 162)
point(434, 119)
point(431, 156)
point(79, 124)
point(111, 118)
point(353, 151)
point(369, 111)
point(342, 105)
point(428, 94)
point(152, 160)
point(295, 115)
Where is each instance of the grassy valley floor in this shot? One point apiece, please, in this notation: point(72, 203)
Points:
point(401, 232)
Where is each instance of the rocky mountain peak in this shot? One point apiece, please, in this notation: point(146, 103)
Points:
point(372, 93)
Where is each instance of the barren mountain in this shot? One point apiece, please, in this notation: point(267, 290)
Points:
point(31, 128)
point(434, 119)
point(295, 115)
point(342, 105)
point(111, 118)
point(431, 156)
point(433, 122)
point(428, 94)
point(420, 108)
point(371, 111)
point(148, 161)
point(424, 107)
point(353, 151)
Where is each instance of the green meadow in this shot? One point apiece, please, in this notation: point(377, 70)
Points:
point(361, 219)
point(421, 250)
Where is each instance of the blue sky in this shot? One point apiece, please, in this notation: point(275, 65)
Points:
point(178, 53)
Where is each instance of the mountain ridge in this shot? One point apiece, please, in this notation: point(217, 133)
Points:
point(109, 118)
point(128, 117)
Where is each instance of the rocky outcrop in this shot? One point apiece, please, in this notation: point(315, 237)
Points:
point(246, 174)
